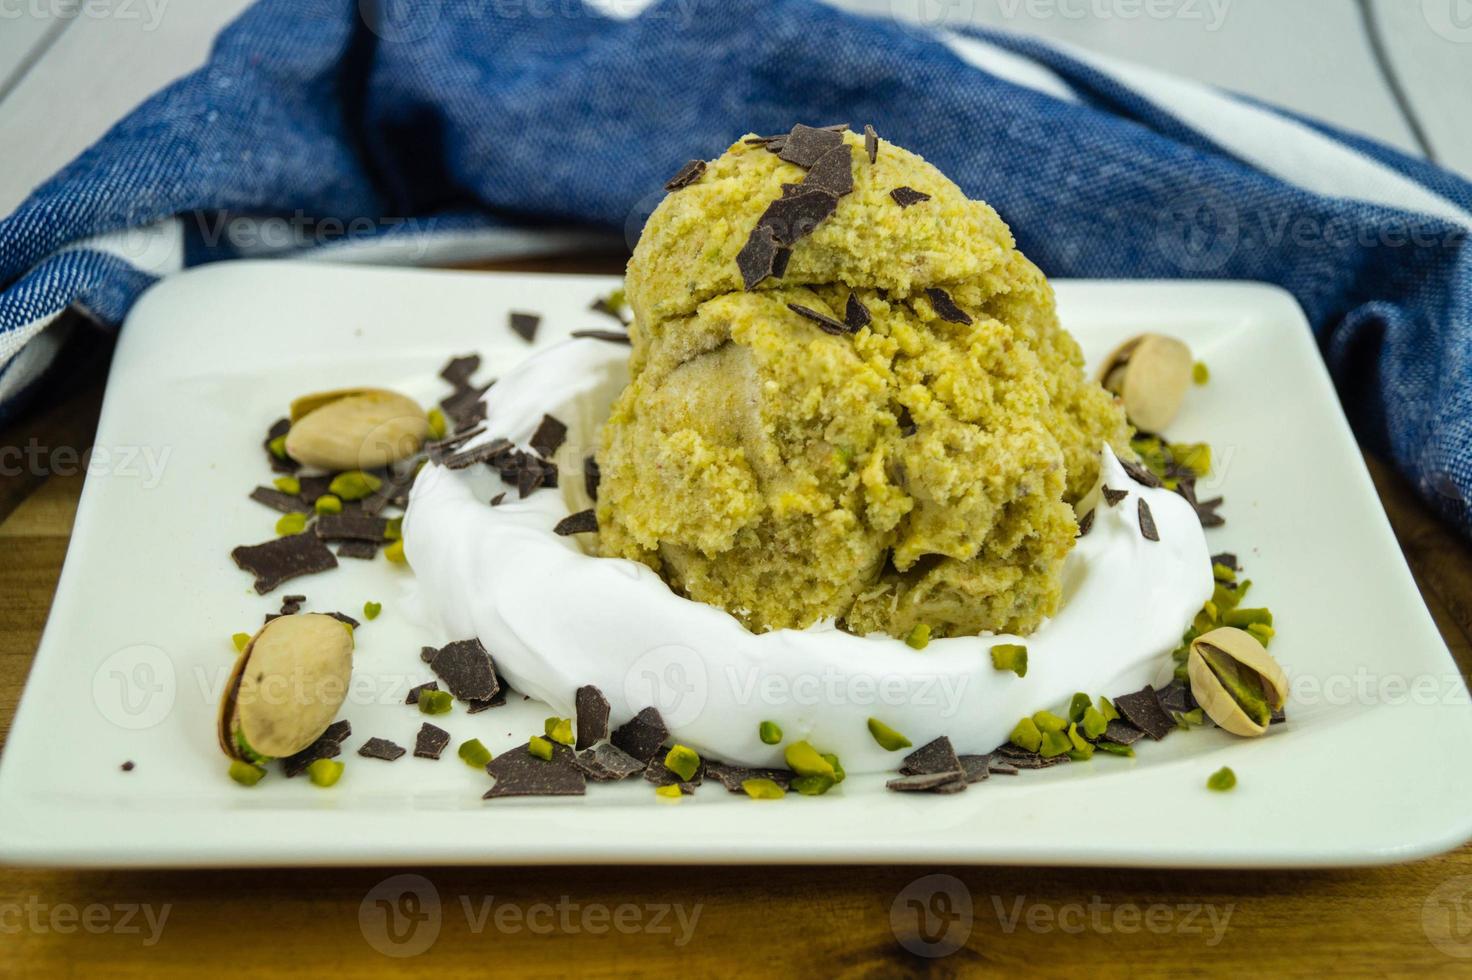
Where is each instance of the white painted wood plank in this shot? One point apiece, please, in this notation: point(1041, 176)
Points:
point(96, 71)
point(1429, 47)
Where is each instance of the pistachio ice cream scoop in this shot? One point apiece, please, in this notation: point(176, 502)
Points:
point(850, 399)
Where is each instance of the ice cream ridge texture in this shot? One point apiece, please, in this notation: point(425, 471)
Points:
point(850, 399)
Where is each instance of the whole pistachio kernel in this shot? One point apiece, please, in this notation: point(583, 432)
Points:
point(539, 747)
point(683, 761)
point(805, 760)
point(670, 792)
point(813, 785)
point(353, 485)
point(1054, 744)
point(1010, 656)
point(762, 789)
point(558, 730)
point(245, 773)
point(1078, 706)
point(288, 484)
point(1049, 722)
point(325, 772)
point(240, 640)
point(919, 636)
point(474, 753)
point(889, 740)
point(293, 523)
point(1027, 735)
point(278, 447)
point(1093, 722)
point(769, 732)
point(1235, 680)
point(371, 610)
point(435, 702)
point(1222, 780)
point(395, 552)
point(327, 504)
point(438, 426)
point(1200, 374)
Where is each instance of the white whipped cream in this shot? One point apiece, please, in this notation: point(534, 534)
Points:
point(555, 617)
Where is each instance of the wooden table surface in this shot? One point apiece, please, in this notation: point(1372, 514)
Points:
point(849, 921)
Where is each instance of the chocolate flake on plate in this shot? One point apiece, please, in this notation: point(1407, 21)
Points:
point(906, 196)
point(689, 174)
point(733, 776)
point(591, 712)
point(612, 336)
point(476, 707)
point(998, 767)
point(381, 748)
point(1122, 732)
point(524, 325)
point(467, 670)
point(278, 429)
point(282, 559)
point(498, 499)
point(607, 763)
point(659, 774)
point(945, 307)
point(936, 755)
point(1020, 758)
point(1227, 560)
point(833, 173)
point(976, 767)
point(855, 314)
point(327, 746)
point(356, 527)
point(519, 773)
point(1147, 522)
point(286, 503)
point(871, 142)
point(460, 369)
point(1113, 497)
point(643, 735)
point(805, 145)
point(1142, 709)
point(430, 741)
point(602, 305)
point(1177, 696)
point(1086, 523)
point(314, 486)
point(427, 654)
point(550, 435)
point(929, 782)
point(592, 476)
point(365, 550)
point(827, 323)
point(414, 692)
point(583, 522)
point(292, 604)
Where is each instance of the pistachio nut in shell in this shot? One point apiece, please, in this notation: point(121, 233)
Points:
point(1235, 680)
point(1150, 374)
point(355, 429)
point(287, 686)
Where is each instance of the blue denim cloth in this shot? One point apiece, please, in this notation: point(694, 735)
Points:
point(425, 118)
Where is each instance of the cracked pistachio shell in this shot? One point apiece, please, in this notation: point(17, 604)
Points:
point(287, 685)
point(355, 429)
point(1242, 649)
point(1150, 374)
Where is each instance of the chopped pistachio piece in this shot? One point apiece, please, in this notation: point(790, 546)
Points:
point(438, 426)
point(1222, 573)
point(1049, 722)
point(769, 732)
point(395, 552)
point(240, 640)
point(1078, 706)
point(813, 785)
point(1010, 656)
point(435, 702)
point(393, 529)
point(1107, 708)
point(1261, 632)
point(1082, 746)
point(1242, 618)
point(245, 750)
point(474, 753)
point(1093, 722)
point(1200, 374)
point(371, 610)
point(288, 484)
point(1222, 780)
point(918, 637)
point(293, 523)
point(353, 485)
point(540, 747)
point(804, 760)
point(889, 740)
point(558, 730)
point(762, 789)
point(683, 761)
point(1054, 744)
point(327, 504)
point(1114, 748)
point(838, 774)
point(245, 773)
point(670, 792)
point(1194, 456)
point(1027, 735)
point(1188, 720)
point(278, 447)
point(325, 772)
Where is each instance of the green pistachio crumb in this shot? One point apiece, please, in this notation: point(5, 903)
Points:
point(1054, 744)
point(353, 485)
point(1049, 722)
point(1194, 456)
point(558, 730)
point(1246, 617)
point(1114, 748)
point(1027, 735)
point(889, 740)
point(804, 760)
point(1078, 706)
point(1093, 722)
point(671, 792)
point(278, 447)
point(1200, 373)
point(327, 504)
point(325, 772)
point(474, 753)
point(371, 610)
point(683, 761)
point(393, 529)
point(540, 747)
point(838, 774)
point(762, 789)
point(813, 785)
point(1222, 780)
point(395, 552)
point(245, 773)
point(288, 484)
point(1082, 746)
point(1261, 632)
point(1010, 656)
point(918, 637)
point(438, 426)
point(1107, 708)
point(293, 523)
point(250, 754)
point(240, 640)
point(1188, 720)
point(769, 732)
point(1222, 573)
point(435, 702)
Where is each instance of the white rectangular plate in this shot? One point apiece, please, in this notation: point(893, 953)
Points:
point(138, 643)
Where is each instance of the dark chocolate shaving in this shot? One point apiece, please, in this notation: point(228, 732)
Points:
point(793, 217)
point(381, 748)
point(591, 711)
point(1142, 709)
point(583, 522)
point(976, 767)
point(327, 746)
point(659, 774)
point(871, 143)
point(416, 690)
point(486, 452)
point(827, 323)
point(519, 773)
point(930, 782)
point(607, 763)
point(1122, 732)
point(1086, 523)
point(689, 174)
point(806, 144)
point(465, 407)
point(758, 258)
point(282, 559)
point(602, 305)
point(732, 777)
point(855, 314)
point(1227, 560)
point(832, 173)
point(1113, 497)
point(278, 429)
point(460, 369)
point(936, 755)
point(906, 196)
point(1147, 522)
point(643, 735)
point(612, 336)
point(591, 476)
point(1177, 696)
point(1139, 473)
point(350, 526)
point(363, 550)
point(286, 503)
point(467, 670)
point(430, 741)
point(549, 437)
point(945, 307)
point(525, 325)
